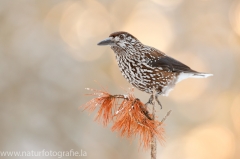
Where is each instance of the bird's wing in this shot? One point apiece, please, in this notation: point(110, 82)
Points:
point(159, 59)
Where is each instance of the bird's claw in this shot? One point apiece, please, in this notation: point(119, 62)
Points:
point(159, 103)
point(150, 101)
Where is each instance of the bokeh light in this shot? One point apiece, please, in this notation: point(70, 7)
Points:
point(169, 3)
point(235, 110)
point(208, 142)
point(78, 30)
point(150, 26)
point(234, 16)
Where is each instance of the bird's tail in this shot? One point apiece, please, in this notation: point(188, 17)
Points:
point(201, 75)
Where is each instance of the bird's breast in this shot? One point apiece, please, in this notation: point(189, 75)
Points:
point(143, 76)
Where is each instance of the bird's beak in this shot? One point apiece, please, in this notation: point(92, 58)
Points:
point(108, 41)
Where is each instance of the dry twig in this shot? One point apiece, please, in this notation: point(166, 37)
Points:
point(129, 115)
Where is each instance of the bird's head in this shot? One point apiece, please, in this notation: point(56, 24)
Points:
point(120, 39)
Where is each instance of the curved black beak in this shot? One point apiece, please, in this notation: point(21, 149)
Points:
point(107, 41)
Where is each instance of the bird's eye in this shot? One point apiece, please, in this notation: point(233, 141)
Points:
point(121, 37)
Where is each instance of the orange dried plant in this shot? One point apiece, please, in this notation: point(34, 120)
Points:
point(129, 115)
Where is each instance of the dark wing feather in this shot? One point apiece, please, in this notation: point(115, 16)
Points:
point(159, 59)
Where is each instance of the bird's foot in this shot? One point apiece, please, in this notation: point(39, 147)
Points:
point(159, 103)
point(150, 101)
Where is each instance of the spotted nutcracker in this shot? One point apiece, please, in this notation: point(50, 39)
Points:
point(147, 68)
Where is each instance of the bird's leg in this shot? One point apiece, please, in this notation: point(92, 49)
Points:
point(150, 100)
point(159, 103)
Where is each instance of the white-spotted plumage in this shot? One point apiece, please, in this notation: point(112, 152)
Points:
point(147, 68)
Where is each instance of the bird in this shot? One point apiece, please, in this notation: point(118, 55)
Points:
point(147, 68)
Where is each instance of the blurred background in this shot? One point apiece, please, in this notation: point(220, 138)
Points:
point(48, 56)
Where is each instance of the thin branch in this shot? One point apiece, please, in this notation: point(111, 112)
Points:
point(153, 142)
point(168, 113)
